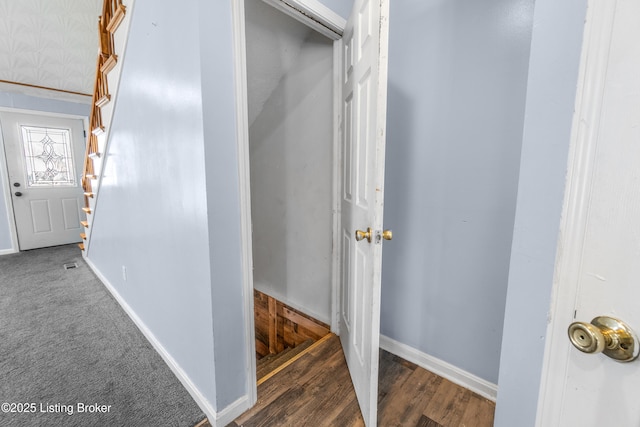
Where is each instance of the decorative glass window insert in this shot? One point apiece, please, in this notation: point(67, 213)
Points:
point(48, 156)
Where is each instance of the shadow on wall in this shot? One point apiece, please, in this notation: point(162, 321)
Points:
point(401, 259)
point(290, 151)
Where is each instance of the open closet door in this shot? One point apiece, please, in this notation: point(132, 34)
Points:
point(364, 100)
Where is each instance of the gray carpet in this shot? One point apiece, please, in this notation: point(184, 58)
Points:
point(64, 341)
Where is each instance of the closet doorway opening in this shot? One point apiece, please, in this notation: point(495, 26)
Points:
point(290, 98)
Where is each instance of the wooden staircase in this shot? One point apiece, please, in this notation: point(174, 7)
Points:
point(113, 26)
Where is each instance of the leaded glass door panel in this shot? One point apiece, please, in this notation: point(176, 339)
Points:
point(44, 162)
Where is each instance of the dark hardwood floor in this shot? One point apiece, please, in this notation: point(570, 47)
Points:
point(316, 391)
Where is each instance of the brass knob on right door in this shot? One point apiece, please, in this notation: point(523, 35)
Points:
point(586, 337)
point(387, 234)
point(605, 335)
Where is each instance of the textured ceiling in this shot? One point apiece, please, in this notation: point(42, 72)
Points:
point(50, 43)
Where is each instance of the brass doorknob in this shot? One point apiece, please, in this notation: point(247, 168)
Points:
point(387, 234)
point(360, 235)
point(605, 334)
point(586, 337)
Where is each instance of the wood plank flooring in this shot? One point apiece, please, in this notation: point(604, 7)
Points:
point(316, 390)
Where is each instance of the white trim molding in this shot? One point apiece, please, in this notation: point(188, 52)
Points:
point(244, 190)
point(6, 193)
point(598, 33)
point(336, 255)
point(313, 14)
point(440, 367)
point(231, 412)
point(202, 401)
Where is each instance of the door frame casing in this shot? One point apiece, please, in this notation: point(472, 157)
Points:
point(6, 192)
point(313, 14)
point(319, 14)
point(582, 154)
point(4, 168)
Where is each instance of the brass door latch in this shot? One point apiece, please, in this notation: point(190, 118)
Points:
point(361, 235)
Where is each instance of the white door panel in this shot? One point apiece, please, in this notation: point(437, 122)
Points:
point(363, 139)
point(44, 160)
point(599, 252)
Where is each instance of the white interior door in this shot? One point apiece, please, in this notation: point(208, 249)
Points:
point(44, 160)
point(364, 93)
point(598, 271)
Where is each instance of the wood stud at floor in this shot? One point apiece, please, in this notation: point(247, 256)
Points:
point(279, 326)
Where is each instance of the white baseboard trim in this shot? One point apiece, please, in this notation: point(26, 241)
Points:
point(440, 367)
point(231, 412)
point(7, 251)
point(202, 401)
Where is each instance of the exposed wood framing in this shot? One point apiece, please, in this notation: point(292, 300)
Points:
point(279, 326)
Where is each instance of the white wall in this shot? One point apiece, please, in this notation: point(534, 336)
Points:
point(291, 143)
point(13, 100)
point(456, 95)
point(551, 91)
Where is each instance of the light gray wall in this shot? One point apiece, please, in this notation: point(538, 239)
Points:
point(456, 94)
point(223, 202)
point(341, 7)
point(290, 149)
point(457, 73)
point(49, 105)
point(168, 205)
point(551, 90)
point(26, 102)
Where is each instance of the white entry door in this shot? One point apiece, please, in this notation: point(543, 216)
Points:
point(598, 267)
point(44, 160)
point(364, 93)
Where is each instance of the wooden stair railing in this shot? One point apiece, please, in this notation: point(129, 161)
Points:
point(113, 12)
